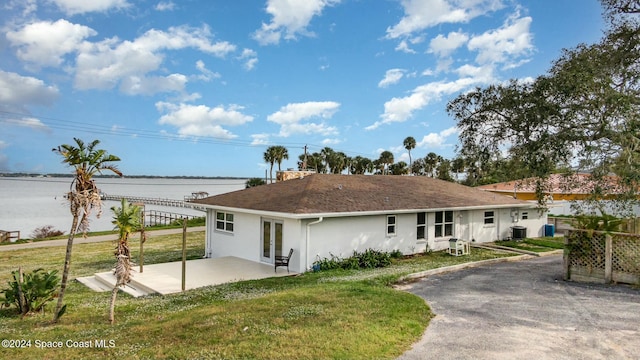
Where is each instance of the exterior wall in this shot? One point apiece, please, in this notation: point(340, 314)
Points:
point(342, 236)
point(245, 241)
point(312, 239)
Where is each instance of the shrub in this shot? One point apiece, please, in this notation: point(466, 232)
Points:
point(46, 231)
point(31, 292)
point(369, 259)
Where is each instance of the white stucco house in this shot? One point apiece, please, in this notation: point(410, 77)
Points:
point(322, 215)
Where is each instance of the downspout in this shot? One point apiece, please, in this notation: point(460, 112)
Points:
point(307, 242)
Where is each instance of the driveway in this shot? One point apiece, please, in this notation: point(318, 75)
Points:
point(524, 310)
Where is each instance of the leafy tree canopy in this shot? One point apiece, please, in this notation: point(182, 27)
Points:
point(583, 114)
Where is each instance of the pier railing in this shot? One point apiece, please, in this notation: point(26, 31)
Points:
point(153, 201)
point(7, 236)
point(155, 217)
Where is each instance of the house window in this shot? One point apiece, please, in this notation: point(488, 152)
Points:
point(489, 217)
point(444, 223)
point(391, 225)
point(422, 225)
point(525, 215)
point(224, 221)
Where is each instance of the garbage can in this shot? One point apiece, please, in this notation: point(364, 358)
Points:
point(549, 230)
point(518, 232)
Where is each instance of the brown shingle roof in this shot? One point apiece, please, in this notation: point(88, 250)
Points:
point(324, 193)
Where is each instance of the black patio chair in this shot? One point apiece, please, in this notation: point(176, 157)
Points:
point(282, 261)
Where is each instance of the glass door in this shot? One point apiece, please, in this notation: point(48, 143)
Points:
point(271, 244)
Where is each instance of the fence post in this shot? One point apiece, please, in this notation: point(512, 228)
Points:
point(184, 253)
point(608, 252)
point(565, 258)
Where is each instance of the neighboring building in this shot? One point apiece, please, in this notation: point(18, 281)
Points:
point(321, 215)
point(292, 174)
point(556, 187)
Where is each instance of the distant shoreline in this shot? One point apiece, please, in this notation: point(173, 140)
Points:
point(127, 176)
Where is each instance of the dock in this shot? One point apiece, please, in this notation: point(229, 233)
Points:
point(153, 201)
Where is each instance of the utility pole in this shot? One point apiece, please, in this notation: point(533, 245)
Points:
point(304, 162)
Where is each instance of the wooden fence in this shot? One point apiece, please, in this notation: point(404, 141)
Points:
point(594, 256)
point(7, 236)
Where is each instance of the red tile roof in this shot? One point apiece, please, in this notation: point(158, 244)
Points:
point(325, 193)
point(555, 184)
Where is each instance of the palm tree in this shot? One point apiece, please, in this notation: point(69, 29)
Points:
point(83, 195)
point(280, 153)
point(409, 144)
point(270, 157)
point(127, 220)
point(431, 163)
point(399, 168)
point(386, 159)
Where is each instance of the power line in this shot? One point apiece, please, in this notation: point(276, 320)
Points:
point(13, 118)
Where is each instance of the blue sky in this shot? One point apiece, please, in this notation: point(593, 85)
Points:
point(201, 88)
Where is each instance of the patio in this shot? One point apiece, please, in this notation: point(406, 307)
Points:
point(166, 278)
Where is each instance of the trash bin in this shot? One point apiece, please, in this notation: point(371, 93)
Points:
point(518, 232)
point(549, 230)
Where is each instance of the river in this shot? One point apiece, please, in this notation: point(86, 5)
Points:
point(27, 203)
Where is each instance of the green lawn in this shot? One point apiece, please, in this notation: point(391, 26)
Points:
point(536, 244)
point(324, 315)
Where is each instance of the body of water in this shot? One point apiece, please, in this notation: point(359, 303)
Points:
point(27, 203)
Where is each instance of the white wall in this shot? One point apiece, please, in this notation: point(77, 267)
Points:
point(245, 241)
point(341, 236)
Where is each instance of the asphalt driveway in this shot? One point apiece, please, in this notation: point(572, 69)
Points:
point(524, 310)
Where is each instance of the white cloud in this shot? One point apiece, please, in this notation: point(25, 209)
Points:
point(445, 45)
point(402, 109)
point(404, 47)
point(201, 120)
point(206, 74)
point(328, 142)
point(44, 43)
point(165, 6)
point(142, 85)
point(392, 76)
point(289, 19)
point(290, 118)
point(260, 139)
point(250, 57)
point(72, 7)
point(17, 91)
point(422, 14)
point(510, 41)
point(28, 122)
point(104, 64)
point(436, 140)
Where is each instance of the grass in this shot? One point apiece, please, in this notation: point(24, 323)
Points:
point(325, 315)
point(536, 244)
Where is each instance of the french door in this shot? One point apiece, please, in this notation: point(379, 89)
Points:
point(271, 240)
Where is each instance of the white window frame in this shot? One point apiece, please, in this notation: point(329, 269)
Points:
point(489, 218)
point(227, 221)
point(443, 224)
point(391, 227)
point(525, 215)
point(422, 226)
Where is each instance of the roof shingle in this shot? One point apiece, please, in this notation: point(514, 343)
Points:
point(326, 193)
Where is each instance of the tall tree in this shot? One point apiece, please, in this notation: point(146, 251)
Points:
point(126, 219)
point(361, 165)
point(399, 168)
point(270, 158)
point(431, 163)
point(83, 196)
point(409, 144)
point(386, 159)
point(583, 112)
point(280, 153)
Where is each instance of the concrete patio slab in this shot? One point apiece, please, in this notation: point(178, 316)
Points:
point(166, 278)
